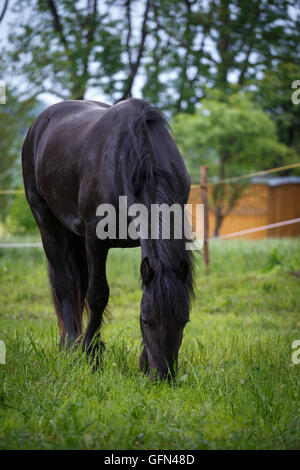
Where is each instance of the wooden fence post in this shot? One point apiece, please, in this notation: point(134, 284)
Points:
point(203, 185)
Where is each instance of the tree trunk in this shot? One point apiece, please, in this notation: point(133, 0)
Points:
point(219, 220)
point(2, 13)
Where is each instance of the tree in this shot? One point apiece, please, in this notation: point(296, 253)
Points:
point(233, 137)
point(65, 47)
point(274, 93)
point(134, 64)
point(178, 48)
point(215, 44)
point(15, 117)
point(68, 47)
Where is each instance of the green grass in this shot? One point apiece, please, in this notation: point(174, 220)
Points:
point(237, 387)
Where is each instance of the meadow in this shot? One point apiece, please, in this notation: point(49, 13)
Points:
point(237, 387)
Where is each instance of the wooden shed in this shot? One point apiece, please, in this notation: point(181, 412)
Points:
point(265, 201)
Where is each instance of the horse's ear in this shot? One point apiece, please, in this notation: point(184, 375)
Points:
point(183, 270)
point(147, 272)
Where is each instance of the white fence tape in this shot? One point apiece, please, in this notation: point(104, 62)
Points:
point(21, 245)
point(257, 229)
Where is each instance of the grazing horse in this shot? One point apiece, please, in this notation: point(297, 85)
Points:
point(78, 155)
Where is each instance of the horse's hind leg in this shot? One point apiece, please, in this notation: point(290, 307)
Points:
point(63, 273)
point(64, 251)
point(98, 292)
point(69, 301)
point(66, 294)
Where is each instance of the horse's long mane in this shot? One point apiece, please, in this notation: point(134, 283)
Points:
point(145, 179)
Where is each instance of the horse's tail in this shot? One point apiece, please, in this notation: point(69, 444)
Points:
point(77, 264)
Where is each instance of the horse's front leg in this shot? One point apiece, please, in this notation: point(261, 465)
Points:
point(97, 294)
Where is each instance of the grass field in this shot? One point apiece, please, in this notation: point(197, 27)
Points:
point(237, 387)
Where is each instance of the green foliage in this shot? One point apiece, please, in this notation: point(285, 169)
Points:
point(65, 47)
point(15, 117)
point(237, 387)
point(19, 219)
point(216, 44)
point(273, 260)
point(176, 48)
point(274, 94)
point(231, 135)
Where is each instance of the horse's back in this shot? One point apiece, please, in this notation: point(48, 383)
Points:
point(61, 119)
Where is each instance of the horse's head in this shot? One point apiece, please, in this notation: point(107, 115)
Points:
point(164, 314)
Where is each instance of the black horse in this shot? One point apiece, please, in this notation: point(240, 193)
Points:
point(78, 155)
